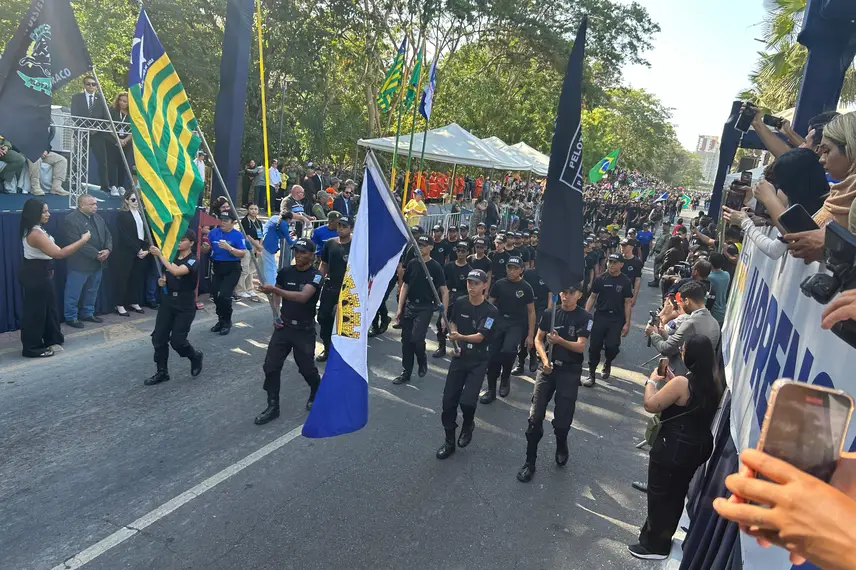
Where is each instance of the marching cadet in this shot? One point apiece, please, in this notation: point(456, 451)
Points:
point(382, 320)
point(441, 249)
point(471, 320)
point(479, 259)
point(464, 234)
point(560, 375)
point(177, 309)
point(334, 263)
point(299, 286)
point(515, 301)
point(498, 259)
point(543, 300)
point(612, 299)
point(455, 273)
point(481, 230)
point(416, 305)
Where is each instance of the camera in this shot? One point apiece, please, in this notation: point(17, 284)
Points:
point(840, 253)
point(683, 269)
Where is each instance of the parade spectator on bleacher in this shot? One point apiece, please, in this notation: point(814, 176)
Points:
point(14, 162)
point(59, 169)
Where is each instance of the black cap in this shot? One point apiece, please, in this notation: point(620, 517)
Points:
point(437, 228)
point(573, 287)
point(481, 224)
point(464, 228)
point(477, 275)
point(534, 232)
point(631, 230)
point(333, 215)
point(616, 257)
point(345, 221)
point(303, 245)
point(190, 235)
point(492, 227)
point(626, 241)
point(415, 230)
point(462, 245)
point(453, 228)
point(515, 261)
point(499, 237)
point(526, 234)
point(423, 240)
point(225, 216)
point(480, 242)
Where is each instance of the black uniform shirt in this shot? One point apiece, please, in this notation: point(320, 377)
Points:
point(521, 252)
point(571, 326)
point(512, 299)
point(611, 292)
point(292, 279)
point(183, 283)
point(498, 261)
point(483, 263)
point(419, 291)
point(456, 279)
point(633, 269)
point(408, 255)
point(539, 288)
point(471, 319)
point(592, 259)
point(335, 255)
point(533, 252)
point(440, 252)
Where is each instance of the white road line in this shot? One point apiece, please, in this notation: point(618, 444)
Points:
point(85, 556)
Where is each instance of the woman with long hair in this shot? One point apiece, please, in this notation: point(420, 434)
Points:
point(128, 259)
point(121, 118)
point(40, 331)
point(686, 405)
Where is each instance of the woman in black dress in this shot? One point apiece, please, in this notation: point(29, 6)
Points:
point(128, 259)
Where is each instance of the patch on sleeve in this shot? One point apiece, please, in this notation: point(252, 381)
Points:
point(317, 279)
point(590, 323)
point(488, 322)
point(191, 262)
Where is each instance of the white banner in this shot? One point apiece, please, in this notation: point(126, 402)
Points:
point(773, 331)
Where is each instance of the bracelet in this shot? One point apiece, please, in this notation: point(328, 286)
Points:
point(654, 382)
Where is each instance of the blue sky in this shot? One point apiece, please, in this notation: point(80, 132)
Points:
point(700, 61)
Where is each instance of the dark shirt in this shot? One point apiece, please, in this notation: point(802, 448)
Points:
point(472, 319)
point(183, 283)
point(483, 263)
point(408, 255)
point(611, 293)
point(633, 269)
point(539, 288)
point(419, 290)
point(512, 299)
point(335, 255)
point(441, 252)
point(456, 279)
point(522, 252)
point(294, 314)
point(571, 326)
point(498, 261)
point(296, 207)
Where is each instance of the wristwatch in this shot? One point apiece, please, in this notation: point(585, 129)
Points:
point(654, 382)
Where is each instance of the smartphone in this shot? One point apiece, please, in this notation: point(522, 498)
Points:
point(734, 198)
point(805, 425)
point(796, 219)
point(746, 178)
point(761, 210)
point(662, 366)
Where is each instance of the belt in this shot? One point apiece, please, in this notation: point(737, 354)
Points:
point(179, 293)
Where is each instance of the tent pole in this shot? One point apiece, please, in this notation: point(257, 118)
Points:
point(452, 182)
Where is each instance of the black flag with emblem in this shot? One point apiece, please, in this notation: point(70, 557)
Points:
point(46, 52)
point(560, 259)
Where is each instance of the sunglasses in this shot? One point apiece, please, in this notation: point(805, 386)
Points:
point(132, 199)
point(91, 84)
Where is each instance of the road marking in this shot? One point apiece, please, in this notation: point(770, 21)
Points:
point(88, 555)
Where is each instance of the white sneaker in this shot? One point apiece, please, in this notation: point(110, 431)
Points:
point(114, 191)
point(121, 190)
point(245, 295)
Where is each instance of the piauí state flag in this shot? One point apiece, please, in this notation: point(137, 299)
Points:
point(165, 139)
point(603, 166)
point(427, 102)
point(392, 81)
point(380, 235)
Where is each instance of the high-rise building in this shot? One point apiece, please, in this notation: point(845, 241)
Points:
point(707, 149)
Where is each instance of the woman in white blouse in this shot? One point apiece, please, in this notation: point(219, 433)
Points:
point(40, 332)
point(127, 259)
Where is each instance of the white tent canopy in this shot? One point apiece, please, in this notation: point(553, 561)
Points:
point(450, 144)
point(540, 161)
point(510, 155)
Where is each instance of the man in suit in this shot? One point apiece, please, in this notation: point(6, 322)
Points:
point(89, 104)
point(693, 296)
point(345, 203)
point(313, 183)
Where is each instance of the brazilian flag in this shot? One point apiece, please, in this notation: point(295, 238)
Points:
point(603, 166)
point(165, 139)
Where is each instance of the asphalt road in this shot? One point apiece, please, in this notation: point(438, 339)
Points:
point(100, 471)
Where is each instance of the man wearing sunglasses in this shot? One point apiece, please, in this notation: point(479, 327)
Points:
point(90, 105)
point(345, 203)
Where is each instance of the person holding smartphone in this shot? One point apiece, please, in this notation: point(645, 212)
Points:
point(686, 405)
point(227, 247)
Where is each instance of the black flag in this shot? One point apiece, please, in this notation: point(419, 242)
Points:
point(560, 259)
point(45, 53)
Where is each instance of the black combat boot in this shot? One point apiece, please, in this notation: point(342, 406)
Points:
point(466, 436)
point(504, 387)
point(271, 412)
point(533, 361)
point(489, 395)
point(324, 355)
point(561, 448)
point(162, 374)
point(528, 470)
point(441, 350)
point(196, 363)
point(448, 447)
point(607, 368)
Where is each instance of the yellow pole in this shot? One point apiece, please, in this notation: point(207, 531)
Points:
point(264, 105)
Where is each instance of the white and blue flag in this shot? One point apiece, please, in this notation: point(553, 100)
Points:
point(663, 196)
point(428, 93)
point(380, 236)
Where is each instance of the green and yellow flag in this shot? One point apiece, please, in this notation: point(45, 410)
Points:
point(603, 166)
point(413, 84)
point(393, 79)
point(165, 139)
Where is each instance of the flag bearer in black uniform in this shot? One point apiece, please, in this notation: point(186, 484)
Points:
point(299, 285)
point(416, 305)
point(334, 263)
point(559, 375)
point(177, 309)
point(611, 298)
point(514, 300)
point(471, 322)
point(455, 273)
point(542, 301)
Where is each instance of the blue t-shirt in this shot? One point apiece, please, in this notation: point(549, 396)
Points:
point(273, 232)
point(644, 237)
point(320, 235)
point(235, 238)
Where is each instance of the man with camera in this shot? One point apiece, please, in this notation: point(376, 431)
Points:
point(692, 297)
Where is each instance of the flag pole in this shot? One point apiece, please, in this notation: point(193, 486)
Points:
point(395, 149)
point(413, 122)
point(146, 229)
point(228, 197)
point(264, 107)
